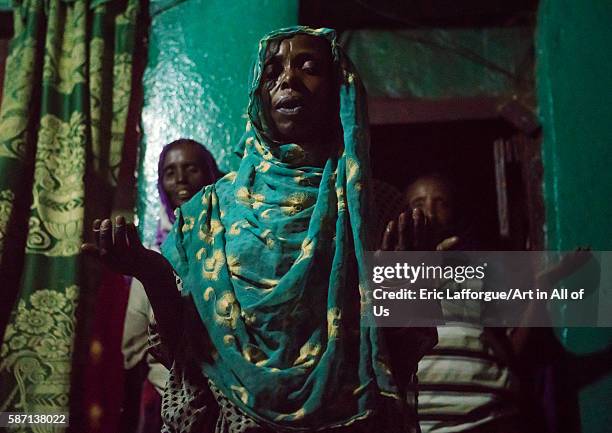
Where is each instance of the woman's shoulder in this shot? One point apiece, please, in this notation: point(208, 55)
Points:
point(226, 182)
point(197, 202)
point(224, 189)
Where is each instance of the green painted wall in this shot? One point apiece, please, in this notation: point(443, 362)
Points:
point(200, 54)
point(443, 63)
point(6, 5)
point(574, 82)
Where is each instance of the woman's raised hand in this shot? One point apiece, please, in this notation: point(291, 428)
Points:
point(119, 247)
point(413, 231)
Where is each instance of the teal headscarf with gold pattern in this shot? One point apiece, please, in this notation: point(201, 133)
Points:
point(273, 257)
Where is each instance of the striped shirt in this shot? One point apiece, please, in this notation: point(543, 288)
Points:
point(462, 383)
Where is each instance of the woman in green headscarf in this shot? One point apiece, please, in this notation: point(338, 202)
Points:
point(271, 264)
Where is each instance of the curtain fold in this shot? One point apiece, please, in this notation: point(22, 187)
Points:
point(63, 120)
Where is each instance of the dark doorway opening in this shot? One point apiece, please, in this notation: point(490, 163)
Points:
point(487, 162)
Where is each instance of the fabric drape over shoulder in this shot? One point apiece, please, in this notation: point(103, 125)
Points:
point(273, 257)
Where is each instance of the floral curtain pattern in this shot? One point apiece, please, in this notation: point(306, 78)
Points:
point(63, 118)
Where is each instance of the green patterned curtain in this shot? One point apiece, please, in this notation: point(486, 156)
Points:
point(62, 126)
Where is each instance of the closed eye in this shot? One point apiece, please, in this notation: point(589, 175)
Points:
point(311, 67)
point(193, 169)
point(271, 71)
point(418, 203)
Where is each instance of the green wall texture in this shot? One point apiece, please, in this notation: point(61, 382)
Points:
point(200, 54)
point(574, 82)
point(438, 63)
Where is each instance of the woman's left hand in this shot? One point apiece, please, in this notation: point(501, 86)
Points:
point(413, 231)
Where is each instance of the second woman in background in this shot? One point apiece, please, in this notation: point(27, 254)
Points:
point(184, 168)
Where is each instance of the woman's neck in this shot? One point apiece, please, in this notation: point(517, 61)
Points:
point(316, 153)
point(313, 153)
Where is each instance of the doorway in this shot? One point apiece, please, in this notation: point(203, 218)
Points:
point(487, 161)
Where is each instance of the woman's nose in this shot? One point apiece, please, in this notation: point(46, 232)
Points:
point(288, 78)
point(181, 176)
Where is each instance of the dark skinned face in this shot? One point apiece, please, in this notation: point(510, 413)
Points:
point(182, 173)
point(434, 198)
point(297, 89)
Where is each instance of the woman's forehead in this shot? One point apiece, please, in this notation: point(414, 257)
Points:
point(297, 44)
point(181, 152)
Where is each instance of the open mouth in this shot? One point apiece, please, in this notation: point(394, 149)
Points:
point(290, 105)
point(183, 194)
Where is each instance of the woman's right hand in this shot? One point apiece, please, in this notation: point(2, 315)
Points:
point(119, 247)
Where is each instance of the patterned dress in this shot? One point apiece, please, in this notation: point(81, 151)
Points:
point(193, 404)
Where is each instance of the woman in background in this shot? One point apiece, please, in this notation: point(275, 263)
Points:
point(184, 168)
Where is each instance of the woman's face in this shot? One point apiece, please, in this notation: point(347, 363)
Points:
point(183, 173)
point(298, 89)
